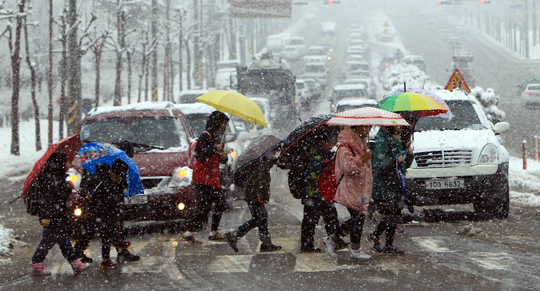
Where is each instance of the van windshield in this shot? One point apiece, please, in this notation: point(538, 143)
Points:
point(341, 94)
point(153, 131)
point(315, 69)
point(465, 117)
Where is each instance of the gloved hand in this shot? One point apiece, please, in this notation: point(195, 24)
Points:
point(45, 222)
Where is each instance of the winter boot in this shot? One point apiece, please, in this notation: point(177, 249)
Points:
point(232, 238)
point(267, 245)
point(108, 264)
point(78, 266)
point(84, 258)
point(126, 256)
point(121, 244)
point(38, 269)
point(216, 236)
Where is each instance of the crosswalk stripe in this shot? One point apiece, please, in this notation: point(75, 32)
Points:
point(318, 262)
point(492, 261)
point(231, 264)
point(431, 244)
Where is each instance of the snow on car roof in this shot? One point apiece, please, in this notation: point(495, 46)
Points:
point(349, 87)
point(192, 108)
point(356, 101)
point(148, 105)
point(190, 92)
point(454, 95)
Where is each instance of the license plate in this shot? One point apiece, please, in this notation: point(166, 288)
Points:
point(137, 199)
point(445, 184)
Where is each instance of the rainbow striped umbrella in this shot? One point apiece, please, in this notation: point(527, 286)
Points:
point(407, 101)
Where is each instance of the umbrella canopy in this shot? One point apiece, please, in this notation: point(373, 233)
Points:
point(407, 101)
point(261, 145)
point(69, 145)
point(447, 115)
point(235, 104)
point(367, 116)
point(96, 153)
point(295, 145)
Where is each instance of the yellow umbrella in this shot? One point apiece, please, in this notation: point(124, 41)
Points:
point(235, 104)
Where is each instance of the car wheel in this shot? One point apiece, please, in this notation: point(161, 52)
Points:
point(497, 205)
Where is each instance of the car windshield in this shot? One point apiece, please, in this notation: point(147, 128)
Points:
point(152, 131)
point(341, 94)
point(354, 67)
point(465, 117)
point(533, 88)
point(296, 42)
point(315, 69)
point(189, 98)
point(300, 86)
point(359, 73)
point(316, 52)
point(290, 49)
point(349, 107)
point(197, 122)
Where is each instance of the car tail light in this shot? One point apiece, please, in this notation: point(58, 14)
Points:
point(526, 94)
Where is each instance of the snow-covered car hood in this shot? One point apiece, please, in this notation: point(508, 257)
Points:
point(449, 139)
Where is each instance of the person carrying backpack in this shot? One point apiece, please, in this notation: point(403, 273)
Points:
point(257, 192)
point(353, 172)
point(54, 190)
point(387, 193)
point(209, 154)
point(315, 205)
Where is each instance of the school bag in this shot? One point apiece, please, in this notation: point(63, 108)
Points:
point(191, 152)
point(327, 183)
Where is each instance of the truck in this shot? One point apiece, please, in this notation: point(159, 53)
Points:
point(272, 79)
point(460, 61)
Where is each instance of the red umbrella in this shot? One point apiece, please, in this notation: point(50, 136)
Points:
point(69, 145)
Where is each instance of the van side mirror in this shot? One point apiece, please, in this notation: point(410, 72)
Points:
point(502, 127)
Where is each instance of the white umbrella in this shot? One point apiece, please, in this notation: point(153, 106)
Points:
point(367, 116)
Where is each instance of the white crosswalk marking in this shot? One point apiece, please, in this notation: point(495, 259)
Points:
point(231, 264)
point(492, 261)
point(318, 262)
point(431, 244)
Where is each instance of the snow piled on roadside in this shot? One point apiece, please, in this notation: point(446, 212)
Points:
point(6, 241)
point(528, 181)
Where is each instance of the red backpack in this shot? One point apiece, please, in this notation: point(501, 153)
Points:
point(191, 152)
point(327, 183)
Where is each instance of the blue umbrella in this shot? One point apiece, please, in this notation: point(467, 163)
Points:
point(96, 153)
point(403, 185)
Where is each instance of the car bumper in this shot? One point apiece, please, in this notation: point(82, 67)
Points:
point(475, 185)
point(160, 206)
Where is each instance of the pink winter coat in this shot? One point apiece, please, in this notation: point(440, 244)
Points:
point(355, 188)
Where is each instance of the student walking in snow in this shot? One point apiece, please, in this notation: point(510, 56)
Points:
point(257, 192)
point(54, 191)
point(354, 174)
point(209, 154)
point(387, 193)
point(315, 205)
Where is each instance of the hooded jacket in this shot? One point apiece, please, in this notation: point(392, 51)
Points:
point(354, 190)
point(53, 188)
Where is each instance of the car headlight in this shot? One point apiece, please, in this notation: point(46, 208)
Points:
point(181, 177)
point(77, 212)
point(181, 206)
point(489, 154)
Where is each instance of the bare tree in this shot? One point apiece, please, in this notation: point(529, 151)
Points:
point(31, 66)
point(147, 50)
point(62, 23)
point(97, 50)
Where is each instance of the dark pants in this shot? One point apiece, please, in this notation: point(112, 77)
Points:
point(352, 226)
point(313, 210)
point(259, 219)
point(55, 233)
point(206, 197)
point(391, 211)
point(107, 228)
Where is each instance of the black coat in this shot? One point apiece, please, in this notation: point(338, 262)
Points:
point(108, 199)
point(54, 192)
point(258, 179)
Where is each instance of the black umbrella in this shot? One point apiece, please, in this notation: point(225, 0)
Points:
point(260, 146)
point(296, 144)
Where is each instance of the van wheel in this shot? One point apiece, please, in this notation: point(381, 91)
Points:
point(497, 205)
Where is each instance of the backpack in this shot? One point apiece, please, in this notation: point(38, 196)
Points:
point(240, 176)
point(33, 201)
point(297, 181)
point(327, 183)
point(191, 152)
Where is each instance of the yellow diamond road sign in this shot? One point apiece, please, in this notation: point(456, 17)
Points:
point(457, 82)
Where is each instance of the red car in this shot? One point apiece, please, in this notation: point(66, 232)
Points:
point(161, 137)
